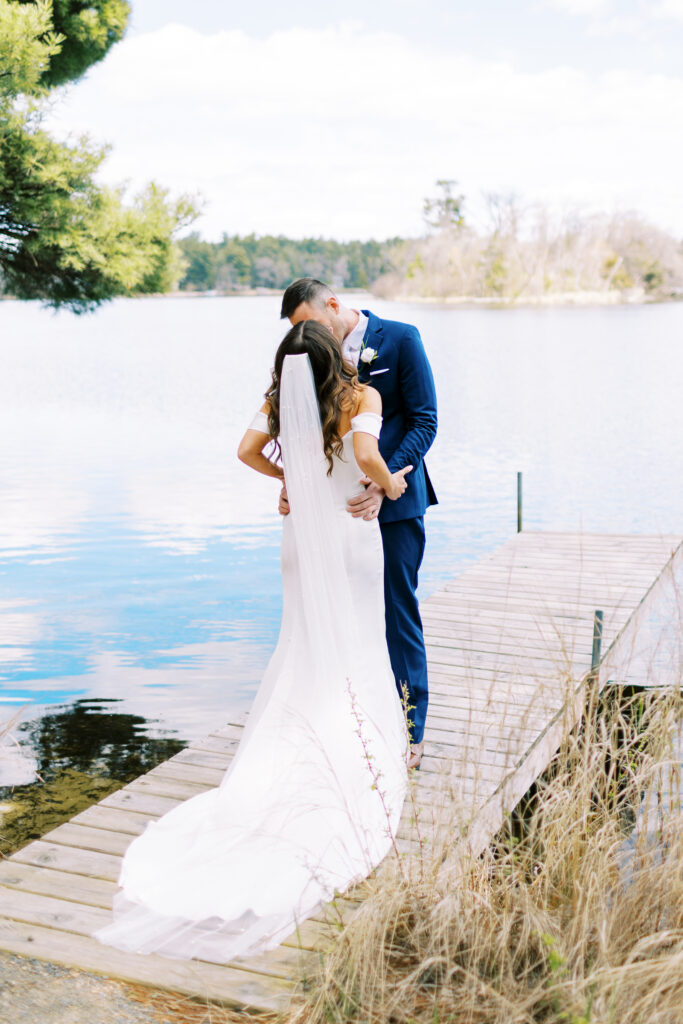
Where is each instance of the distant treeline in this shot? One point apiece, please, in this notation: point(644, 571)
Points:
point(525, 254)
point(528, 256)
point(244, 262)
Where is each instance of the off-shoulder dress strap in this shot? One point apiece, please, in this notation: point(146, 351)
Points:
point(367, 423)
point(260, 423)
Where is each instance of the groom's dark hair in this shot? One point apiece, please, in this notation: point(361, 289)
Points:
point(306, 289)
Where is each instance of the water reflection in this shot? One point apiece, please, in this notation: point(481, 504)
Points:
point(655, 826)
point(92, 735)
point(119, 604)
point(139, 558)
point(78, 754)
point(654, 657)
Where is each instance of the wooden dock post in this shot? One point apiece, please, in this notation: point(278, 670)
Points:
point(597, 641)
point(519, 502)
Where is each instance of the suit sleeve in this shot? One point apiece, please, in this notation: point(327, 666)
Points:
point(418, 396)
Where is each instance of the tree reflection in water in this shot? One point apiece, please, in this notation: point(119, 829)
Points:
point(83, 751)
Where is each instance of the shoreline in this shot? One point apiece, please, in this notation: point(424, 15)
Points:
point(584, 299)
point(560, 299)
point(635, 297)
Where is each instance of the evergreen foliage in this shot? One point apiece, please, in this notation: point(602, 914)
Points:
point(523, 258)
point(243, 262)
point(64, 238)
point(90, 28)
point(87, 29)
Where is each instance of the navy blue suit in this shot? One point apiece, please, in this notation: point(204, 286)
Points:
point(401, 373)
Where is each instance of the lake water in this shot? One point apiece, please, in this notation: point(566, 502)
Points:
point(139, 560)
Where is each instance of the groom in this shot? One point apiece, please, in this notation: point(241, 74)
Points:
point(391, 358)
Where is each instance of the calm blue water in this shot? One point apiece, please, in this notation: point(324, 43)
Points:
point(139, 560)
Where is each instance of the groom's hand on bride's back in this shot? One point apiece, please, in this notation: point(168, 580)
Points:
point(364, 506)
point(367, 504)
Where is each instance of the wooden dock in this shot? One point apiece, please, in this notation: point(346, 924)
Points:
point(509, 646)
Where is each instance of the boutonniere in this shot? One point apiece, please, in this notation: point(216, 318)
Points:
point(367, 355)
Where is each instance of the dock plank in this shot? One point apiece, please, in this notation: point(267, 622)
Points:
point(508, 644)
point(232, 986)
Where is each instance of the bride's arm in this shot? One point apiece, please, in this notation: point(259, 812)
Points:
point(250, 451)
point(366, 450)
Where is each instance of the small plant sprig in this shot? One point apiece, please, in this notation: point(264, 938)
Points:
point(375, 773)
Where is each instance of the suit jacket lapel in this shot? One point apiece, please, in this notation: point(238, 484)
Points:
point(373, 339)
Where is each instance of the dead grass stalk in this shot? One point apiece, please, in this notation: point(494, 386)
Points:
point(560, 921)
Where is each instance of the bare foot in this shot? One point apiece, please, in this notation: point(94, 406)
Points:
point(416, 752)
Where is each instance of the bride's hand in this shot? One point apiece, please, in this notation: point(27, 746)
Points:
point(398, 483)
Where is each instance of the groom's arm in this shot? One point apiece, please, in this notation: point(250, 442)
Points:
point(418, 396)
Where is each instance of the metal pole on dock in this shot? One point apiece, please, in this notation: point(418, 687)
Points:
point(519, 503)
point(597, 641)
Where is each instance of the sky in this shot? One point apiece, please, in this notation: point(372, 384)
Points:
point(337, 120)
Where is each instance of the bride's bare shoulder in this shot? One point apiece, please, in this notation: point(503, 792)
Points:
point(369, 400)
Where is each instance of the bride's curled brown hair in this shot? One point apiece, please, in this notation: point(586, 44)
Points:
point(336, 381)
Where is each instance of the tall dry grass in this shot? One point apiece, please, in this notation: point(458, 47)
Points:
point(570, 916)
point(561, 920)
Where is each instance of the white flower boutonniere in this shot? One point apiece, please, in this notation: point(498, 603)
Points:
point(367, 354)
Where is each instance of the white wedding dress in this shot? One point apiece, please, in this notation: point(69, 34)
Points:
point(315, 791)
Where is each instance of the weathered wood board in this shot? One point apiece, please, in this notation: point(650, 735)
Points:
point(508, 642)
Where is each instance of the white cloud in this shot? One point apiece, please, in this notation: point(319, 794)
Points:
point(627, 24)
point(342, 132)
point(671, 9)
point(592, 7)
point(609, 18)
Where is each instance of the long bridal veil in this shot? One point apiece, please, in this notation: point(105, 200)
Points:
point(316, 556)
point(314, 793)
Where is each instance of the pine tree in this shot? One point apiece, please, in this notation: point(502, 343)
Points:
point(64, 238)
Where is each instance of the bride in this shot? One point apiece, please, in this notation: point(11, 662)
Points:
point(314, 793)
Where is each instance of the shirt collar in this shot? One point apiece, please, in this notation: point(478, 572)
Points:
point(354, 339)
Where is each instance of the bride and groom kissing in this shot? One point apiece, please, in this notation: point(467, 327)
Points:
point(312, 798)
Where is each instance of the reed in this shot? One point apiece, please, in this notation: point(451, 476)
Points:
point(563, 920)
point(573, 914)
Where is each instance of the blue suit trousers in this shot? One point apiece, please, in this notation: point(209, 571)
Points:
point(404, 544)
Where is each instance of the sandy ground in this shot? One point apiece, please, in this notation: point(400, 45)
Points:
point(35, 992)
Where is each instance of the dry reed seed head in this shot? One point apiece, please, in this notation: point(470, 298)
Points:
point(545, 927)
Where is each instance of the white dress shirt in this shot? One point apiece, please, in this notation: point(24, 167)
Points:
point(353, 341)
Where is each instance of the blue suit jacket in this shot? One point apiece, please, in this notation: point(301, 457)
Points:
point(402, 375)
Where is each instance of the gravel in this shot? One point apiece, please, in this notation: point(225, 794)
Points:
point(37, 992)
